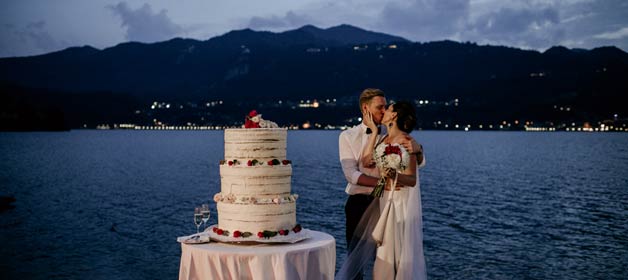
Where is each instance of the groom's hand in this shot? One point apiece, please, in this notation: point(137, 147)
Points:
point(411, 145)
point(413, 148)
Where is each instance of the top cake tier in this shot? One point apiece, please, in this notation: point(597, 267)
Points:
point(262, 144)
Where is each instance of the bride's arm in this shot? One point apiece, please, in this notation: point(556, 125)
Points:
point(408, 176)
point(413, 147)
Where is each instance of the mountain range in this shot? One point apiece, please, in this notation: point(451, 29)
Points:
point(247, 69)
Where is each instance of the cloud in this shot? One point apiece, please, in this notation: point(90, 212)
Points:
point(510, 21)
point(528, 24)
point(595, 23)
point(37, 33)
point(32, 38)
point(273, 23)
point(144, 25)
point(529, 27)
point(425, 19)
point(323, 14)
point(613, 35)
point(534, 24)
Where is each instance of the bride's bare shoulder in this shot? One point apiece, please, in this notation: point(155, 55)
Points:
point(403, 137)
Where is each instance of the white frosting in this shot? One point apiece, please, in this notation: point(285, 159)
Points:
point(256, 217)
point(255, 143)
point(255, 198)
point(258, 181)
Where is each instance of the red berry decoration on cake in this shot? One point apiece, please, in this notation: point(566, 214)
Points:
point(297, 228)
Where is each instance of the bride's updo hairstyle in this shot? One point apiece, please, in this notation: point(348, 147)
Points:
point(406, 116)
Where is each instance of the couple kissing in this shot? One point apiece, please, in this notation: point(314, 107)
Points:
point(380, 161)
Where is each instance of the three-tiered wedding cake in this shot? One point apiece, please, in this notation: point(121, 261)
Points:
point(255, 199)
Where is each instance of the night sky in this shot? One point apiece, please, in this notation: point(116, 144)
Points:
point(30, 27)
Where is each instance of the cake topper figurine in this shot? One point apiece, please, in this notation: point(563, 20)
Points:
point(254, 120)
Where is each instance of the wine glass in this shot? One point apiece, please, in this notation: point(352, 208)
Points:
point(198, 218)
point(205, 214)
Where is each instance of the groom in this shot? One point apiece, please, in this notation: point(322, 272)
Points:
point(362, 179)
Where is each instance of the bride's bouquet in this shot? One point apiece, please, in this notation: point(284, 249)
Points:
point(388, 158)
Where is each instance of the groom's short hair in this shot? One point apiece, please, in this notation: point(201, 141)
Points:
point(368, 94)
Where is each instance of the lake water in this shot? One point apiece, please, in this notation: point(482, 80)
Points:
point(496, 205)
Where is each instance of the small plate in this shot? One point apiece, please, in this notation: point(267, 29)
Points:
point(198, 238)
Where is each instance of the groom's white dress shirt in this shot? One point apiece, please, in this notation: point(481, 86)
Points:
point(350, 145)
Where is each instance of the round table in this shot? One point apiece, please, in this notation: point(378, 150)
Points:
point(313, 258)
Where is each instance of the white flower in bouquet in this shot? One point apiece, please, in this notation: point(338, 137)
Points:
point(391, 156)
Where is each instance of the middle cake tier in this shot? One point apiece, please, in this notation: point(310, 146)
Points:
point(255, 181)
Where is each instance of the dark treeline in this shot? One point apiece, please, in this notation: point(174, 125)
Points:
point(247, 69)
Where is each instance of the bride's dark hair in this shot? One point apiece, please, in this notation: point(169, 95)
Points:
point(406, 116)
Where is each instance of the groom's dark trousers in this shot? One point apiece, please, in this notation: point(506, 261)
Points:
point(354, 208)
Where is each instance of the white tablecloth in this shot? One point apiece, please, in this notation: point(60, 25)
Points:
point(313, 258)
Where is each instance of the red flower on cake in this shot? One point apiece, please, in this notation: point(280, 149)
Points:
point(249, 122)
point(219, 231)
point(214, 229)
point(260, 234)
point(237, 234)
point(296, 228)
point(230, 163)
point(285, 162)
point(270, 162)
point(249, 163)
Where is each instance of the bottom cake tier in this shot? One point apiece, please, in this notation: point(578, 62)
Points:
point(238, 219)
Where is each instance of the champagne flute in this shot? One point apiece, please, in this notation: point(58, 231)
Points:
point(198, 218)
point(205, 214)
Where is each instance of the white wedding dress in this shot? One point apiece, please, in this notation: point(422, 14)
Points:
point(392, 230)
point(398, 256)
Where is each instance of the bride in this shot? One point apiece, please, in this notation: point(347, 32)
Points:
point(391, 229)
